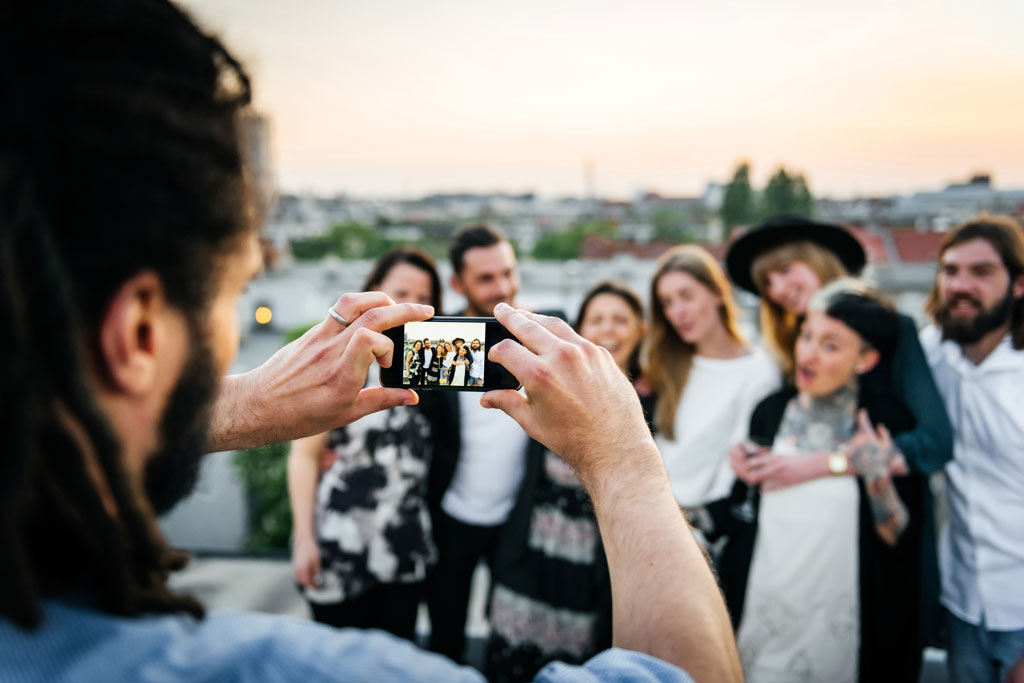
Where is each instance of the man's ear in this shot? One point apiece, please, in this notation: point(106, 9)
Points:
point(130, 335)
point(456, 284)
point(868, 359)
point(1018, 286)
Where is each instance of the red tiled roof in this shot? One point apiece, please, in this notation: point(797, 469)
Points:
point(874, 245)
point(917, 247)
point(599, 248)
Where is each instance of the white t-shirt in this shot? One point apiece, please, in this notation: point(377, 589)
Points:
point(712, 416)
point(492, 459)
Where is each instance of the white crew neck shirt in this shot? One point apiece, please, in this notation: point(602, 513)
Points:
point(492, 459)
point(712, 416)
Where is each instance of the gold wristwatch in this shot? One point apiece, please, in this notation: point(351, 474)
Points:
point(838, 463)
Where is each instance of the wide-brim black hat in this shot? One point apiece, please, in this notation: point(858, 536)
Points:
point(779, 230)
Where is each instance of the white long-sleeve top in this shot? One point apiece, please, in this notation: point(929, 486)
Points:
point(981, 552)
point(713, 415)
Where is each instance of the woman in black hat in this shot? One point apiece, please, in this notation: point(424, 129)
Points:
point(785, 261)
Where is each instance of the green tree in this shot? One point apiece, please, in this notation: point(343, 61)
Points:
point(357, 241)
point(738, 203)
point(346, 240)
point(559, 246)
point(669, 225)
point(311, 249)
point(264, 473)
point(786, 193)
point(567, 244)
point(804, 198)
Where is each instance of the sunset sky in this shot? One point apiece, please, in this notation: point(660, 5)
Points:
point(389, 97)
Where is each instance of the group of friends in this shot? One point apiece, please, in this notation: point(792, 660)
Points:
point(803, 467)
point(642, 449)
point(444, 363)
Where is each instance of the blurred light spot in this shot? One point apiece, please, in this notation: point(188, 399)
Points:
point(263, 315)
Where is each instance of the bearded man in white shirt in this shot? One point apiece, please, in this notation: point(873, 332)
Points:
point(976, 352)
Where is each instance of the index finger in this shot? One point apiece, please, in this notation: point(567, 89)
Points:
point(555, 326)
point(530, 333)
point(883, 435)
point(864, 421)
point(384, 317)
point(757, 462)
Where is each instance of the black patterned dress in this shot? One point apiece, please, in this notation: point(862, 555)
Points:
point(371, 518)
point(553, 602)
point(551, 598)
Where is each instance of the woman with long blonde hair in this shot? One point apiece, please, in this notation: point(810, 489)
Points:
point(707, 378)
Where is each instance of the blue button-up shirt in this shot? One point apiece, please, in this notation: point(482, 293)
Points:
point(77, 644)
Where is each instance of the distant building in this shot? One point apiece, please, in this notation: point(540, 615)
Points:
point(956, 203)
point(257, 150)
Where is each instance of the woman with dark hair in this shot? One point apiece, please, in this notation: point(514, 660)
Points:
point(551, 596)
point(707, 378)
point(414, 363)
point(823, 579)
point(362, 534)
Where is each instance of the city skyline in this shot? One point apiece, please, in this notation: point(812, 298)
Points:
point(401, 99)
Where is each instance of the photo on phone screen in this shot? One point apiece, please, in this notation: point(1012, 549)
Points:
point(447, 353)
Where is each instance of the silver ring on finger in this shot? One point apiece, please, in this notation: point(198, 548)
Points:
point(334, 314)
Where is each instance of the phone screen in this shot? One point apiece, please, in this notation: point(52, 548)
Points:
point(447, 354)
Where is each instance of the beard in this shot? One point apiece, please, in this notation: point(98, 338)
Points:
point(970, 330)
point(173, 470)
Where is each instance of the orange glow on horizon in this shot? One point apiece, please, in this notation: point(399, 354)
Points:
point(399, 98)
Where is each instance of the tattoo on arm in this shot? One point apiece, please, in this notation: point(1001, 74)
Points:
point(887, 510)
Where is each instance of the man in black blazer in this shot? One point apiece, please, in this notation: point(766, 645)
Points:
point(431, 362)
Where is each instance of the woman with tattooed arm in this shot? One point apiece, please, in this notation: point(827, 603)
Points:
point(823, 584)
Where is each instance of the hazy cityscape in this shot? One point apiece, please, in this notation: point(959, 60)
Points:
point(317, 247)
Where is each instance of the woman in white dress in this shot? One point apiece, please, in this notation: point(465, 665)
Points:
point(705, 375)
point(460, 367)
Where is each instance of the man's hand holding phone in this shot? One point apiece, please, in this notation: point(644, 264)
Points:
point(581, 406)
point(577, 401)
point(447, 353)
point(316, 383)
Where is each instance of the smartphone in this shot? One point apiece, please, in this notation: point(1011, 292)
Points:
point(447, 353)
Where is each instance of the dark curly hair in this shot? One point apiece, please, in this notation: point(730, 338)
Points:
point(119, 153)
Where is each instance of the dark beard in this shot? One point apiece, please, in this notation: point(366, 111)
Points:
point(173, 470)
point(966, 332)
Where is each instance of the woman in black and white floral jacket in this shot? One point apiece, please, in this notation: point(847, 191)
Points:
point(362, 544)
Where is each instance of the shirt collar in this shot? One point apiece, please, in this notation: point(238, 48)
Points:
point(1003, 357)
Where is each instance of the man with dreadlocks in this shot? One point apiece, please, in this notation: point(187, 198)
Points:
point(124, 244)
